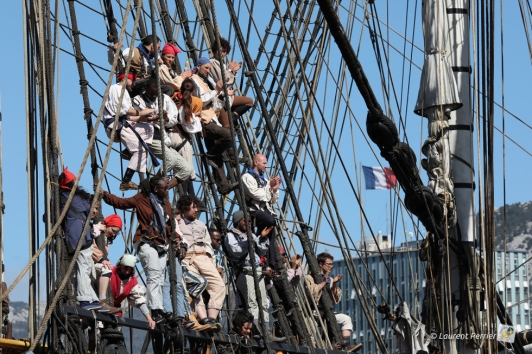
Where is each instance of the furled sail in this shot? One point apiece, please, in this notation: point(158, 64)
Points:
point(437, 97)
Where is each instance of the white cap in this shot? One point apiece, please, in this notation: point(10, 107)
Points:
point(128, 260)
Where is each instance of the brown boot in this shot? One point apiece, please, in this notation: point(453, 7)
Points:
point(109, 309)
point(128, 186)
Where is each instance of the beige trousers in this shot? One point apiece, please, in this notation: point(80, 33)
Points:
point(215, 284)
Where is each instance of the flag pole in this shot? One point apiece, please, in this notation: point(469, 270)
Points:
point(361, 193)
point(391, 215)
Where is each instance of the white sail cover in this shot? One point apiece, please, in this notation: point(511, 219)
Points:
point(437, 97)
point(437, 87)
point(410, 333)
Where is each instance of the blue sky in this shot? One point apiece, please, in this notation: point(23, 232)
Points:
point(73, 130)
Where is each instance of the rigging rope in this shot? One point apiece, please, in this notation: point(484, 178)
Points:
point(325, 300)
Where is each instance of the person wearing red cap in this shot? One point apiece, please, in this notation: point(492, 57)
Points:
point(78, 214)
point(168, 71)
point(106, 231)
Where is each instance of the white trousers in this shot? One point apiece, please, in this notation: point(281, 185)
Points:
point(133, 144)
point(154, 265)
point(344, 321)
point(82, 276)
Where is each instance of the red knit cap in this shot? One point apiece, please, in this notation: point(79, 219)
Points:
point(170, 48)
point(68, 177)
point(281, 249)
point(113, 220)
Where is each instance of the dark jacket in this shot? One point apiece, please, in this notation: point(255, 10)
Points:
point(144, 214)
point(72, 224)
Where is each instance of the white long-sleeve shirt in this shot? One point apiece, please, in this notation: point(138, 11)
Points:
point(111, 105)
point(262, 198)
point(136, 297)
point(195, 123)
point(142, 101)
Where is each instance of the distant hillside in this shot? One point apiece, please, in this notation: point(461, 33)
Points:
point(518, 226)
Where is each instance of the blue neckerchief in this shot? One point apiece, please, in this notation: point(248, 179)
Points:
point(263, 180)
point(145, 54)
point(157, 205)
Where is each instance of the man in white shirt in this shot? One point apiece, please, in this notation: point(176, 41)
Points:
point(261, 195)
point(137, 120)
point(174, 161)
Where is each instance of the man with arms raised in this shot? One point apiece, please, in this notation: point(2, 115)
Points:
point(261, 195)
point(330, 284)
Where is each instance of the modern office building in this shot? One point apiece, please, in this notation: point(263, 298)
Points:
point(402, 269)
point(513, 289)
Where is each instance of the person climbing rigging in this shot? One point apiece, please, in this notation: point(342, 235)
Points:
point(174, 161)
point(330, 284)
point(124, 285)
point(167, 69)
point(294, 272)
point(261, 195)
point(237, 250)
point(142, 62)
point(106, 231)
point(216, 242)
point(78, 215)
point(152, 236)
point(217, 138)
point(133, 127)
point(198, 258)
point(189, 123)
point(239, 104)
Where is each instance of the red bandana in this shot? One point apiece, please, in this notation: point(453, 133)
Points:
point(113, 220)
point(116, 284)
point(69, 177)
point(131, 76)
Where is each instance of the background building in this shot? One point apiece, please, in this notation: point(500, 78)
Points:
point(407, 275)
point(514, 289)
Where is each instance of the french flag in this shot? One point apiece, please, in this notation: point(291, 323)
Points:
point(379, 177)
